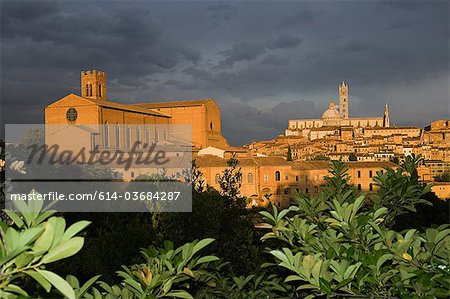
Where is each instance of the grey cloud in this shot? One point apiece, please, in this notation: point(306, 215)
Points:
point(254, 124)
point(243, 51)
point(285, 41)
point(221, 12)
point(354, 46)
point(299, 18)
point(247, 51)
point(273, 59)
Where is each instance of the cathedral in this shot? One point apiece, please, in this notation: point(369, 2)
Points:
point(335, 117)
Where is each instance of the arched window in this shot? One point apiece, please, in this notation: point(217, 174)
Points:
point(217, 178)
point(359, 186)
point(100, 90)
point(128, 137)
point(138, 137)
point(370, 187)
point(250, 178)
point(117, 135)
point(86, 93)
point(211, 126)
point(106, 135)
point(90, 90)
point(277, 176)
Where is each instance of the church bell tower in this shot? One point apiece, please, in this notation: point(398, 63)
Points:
point(343, 99)
point(93, 85)
point(386, 122)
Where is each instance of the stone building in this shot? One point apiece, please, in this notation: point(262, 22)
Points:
point(335, 117)
point(276, 180)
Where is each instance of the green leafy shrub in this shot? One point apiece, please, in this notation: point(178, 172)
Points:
point(336, 245)
point(37, 239)
point(166, 273)
point(400, 190)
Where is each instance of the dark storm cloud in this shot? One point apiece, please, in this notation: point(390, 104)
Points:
point(353, 46)
point(285, 58)
point(275, 60)
point(298, 18)
point(247, 51)
point(254, 124)
point(221, 11)
point(285, 41)
point(243, 51)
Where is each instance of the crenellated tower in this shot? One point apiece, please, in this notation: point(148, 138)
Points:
point(93, 85)
point(386, 122)
point(343, 99)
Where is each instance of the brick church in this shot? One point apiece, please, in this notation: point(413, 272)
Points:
point(93, 107)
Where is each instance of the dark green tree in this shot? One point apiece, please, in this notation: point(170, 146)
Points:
point(443, 177)
point(289, 153)
point(352, 157)
point(400, 190)
point(321, 158)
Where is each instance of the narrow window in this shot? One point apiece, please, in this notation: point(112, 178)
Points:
point(117, 135)
point(128, 137)
point(359, 186)
point(90, 90)
point(156, 135)
point(147, 135)
point(277, 176)
point(138, 137)
point(370, 187)
point(359, 173)
point(370, 173)
point(100, 90)
point(250, 178)
point(86, 93)
point(106, 135)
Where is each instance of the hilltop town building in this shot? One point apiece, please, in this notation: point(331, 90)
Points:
point(334, 118)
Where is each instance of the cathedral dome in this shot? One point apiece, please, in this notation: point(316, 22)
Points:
point(331, 112)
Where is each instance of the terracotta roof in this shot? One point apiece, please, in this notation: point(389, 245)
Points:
point(214, 161)
point(391, 128)
point(186, 103)
point(312, 165)
point(329, 128)
point(126, 107)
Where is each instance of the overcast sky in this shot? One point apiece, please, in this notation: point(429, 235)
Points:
point(263, 62)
